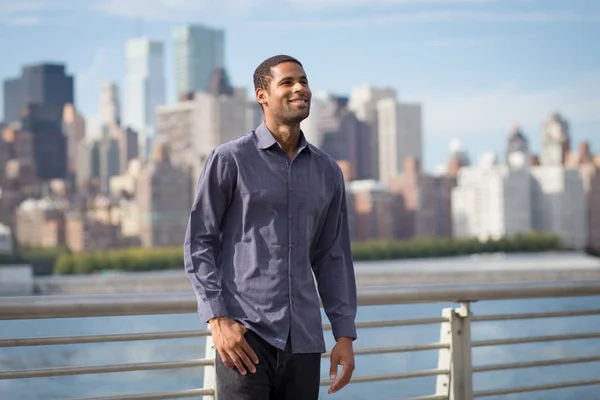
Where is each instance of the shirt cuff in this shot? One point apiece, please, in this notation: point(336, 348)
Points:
point(212, 308)
point(344, 328)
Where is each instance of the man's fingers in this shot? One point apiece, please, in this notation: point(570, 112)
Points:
point(245, 360)
point(231, 345)
point(343, 379)
point(249, 351)
point(238, 362)
point(333, 369)
point(225, 359)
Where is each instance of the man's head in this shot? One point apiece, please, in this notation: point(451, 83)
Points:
point(282, 89)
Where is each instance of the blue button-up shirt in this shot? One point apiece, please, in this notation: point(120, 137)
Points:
point(261, 225)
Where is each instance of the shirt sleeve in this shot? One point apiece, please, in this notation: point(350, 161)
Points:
point(202, 240)
point(334, 268)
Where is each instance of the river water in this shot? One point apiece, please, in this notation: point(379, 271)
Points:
point(169, 350)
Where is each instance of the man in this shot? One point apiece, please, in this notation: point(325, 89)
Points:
point(270, 210)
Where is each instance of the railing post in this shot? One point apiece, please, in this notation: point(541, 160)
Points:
point(210, 376)
point(458, 385)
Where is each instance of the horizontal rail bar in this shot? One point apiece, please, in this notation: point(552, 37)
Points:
point(71, 306)
point(556, 314)
point(123, 337)
point(535, 339)
point(396, 349)
point(391, 377)
point(536, 388)
point(118, 337)
point(181, 394)
point(540, 363)
point(394, 323)
point(103, 369)
point(430, 397)
point(459, 293)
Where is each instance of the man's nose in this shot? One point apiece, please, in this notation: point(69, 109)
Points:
point(299, 87)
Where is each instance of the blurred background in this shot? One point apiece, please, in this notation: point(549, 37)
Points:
point(462, 127)
point(450, 119)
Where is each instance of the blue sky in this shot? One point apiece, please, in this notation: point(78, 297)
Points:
point(477, 66)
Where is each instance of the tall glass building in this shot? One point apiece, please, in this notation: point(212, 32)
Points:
point(41, 84)
point(198, 50)
point(145, 87)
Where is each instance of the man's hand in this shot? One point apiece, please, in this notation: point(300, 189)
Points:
point(342, 354)
point(228, 337)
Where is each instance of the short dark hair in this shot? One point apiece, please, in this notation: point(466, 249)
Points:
point(263, 74)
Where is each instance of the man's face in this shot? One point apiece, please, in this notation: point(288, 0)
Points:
point(288, 96)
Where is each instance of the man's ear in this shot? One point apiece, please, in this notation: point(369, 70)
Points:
point(261, 96)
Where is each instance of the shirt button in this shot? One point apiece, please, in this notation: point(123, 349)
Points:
point(291, 217)
point(291, 246)
point(291, 189)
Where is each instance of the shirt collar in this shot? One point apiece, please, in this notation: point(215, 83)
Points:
point(266, 140)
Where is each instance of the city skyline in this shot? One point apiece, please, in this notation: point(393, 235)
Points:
point(477, 67)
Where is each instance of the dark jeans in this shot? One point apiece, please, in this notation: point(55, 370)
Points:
point(280, 375)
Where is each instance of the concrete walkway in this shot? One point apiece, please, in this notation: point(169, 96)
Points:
point(464, 269)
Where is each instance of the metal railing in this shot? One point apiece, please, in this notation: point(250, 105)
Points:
point(454, 372)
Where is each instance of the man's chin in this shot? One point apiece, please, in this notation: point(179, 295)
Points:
point(297, 117)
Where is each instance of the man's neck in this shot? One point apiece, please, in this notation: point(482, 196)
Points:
point(288, 136)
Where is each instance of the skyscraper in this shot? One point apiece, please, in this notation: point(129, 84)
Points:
point(400, 131)
point(199, 50)
point(555, 140)
point(144, 86)
point(163, 216)
point(338, 132)
point(73, 125)
point(42, 84)
point(492, 200)
point(517, 149)
point(363, 103)
point(37, 99)
point(110, 108)
point(13, 99)
point(559, 204)
point(194, 127)
point(49, 142)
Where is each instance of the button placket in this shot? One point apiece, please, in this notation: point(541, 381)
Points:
point(290, 232)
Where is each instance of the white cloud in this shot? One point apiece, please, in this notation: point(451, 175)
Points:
point(24, 21)
point(24, 8)
point(322, 4)
point(194, 10)
point(175, 10)
point(187, 10)
point(13, 7)
point(430, 16)
point(19, 14)
point(475, 113)
point(152, 9)
point(167, 8)
point(184, 10)
point(30, 12)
